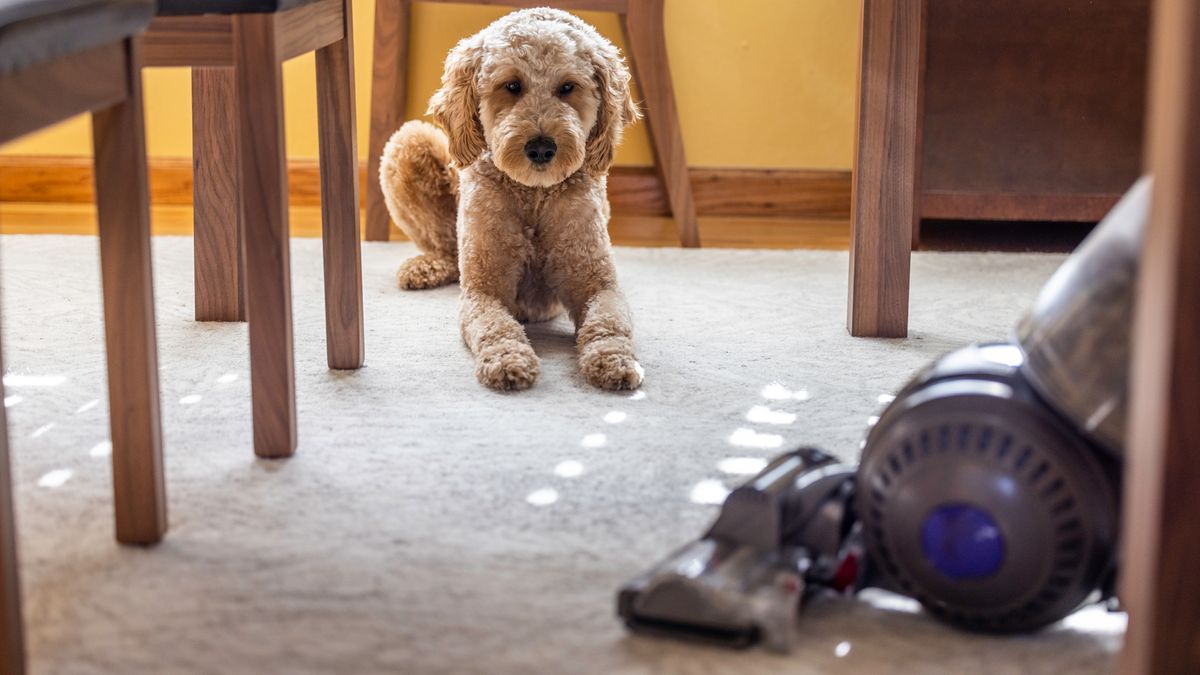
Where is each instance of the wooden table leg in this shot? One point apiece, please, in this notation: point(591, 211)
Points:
point(123, 212)
point(218, 253)
point(645, 37)
point(12, 634)
point(389, 95)
point(1159, 585)
point(886, 166)
point(265, 230)
point(339, 201)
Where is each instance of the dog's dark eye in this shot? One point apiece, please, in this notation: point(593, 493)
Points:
point(566, 89)
point(513, 87)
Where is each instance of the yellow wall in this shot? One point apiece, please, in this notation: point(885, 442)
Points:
point(760, 83)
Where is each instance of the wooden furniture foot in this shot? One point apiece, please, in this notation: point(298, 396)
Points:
point(339, 202)
point(123, 212)
point(883, 209)
point(1161, 528)
point(237, 49)
point(389, 96)
point(259, 77)
point(217, 213)
point(645, 37)
point(99, 73)
point(12, 633)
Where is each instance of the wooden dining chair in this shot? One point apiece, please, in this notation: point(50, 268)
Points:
point(642, 23)
point(236, 49)
point(60, 58)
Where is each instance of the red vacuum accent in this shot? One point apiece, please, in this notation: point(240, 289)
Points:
point(847, 573)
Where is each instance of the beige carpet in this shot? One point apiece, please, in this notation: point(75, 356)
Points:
point(430, 526)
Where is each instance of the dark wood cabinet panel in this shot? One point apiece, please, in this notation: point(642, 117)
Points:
point(1033, 109)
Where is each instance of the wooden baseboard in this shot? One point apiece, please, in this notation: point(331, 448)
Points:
point(752, 193)
point(1066, 206)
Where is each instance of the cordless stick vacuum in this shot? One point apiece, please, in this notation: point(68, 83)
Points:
point(988, 490)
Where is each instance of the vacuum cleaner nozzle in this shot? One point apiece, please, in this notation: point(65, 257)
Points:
point(743, 582)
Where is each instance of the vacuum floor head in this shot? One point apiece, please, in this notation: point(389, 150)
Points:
point(743, 582)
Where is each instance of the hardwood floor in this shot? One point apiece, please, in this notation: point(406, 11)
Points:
point(36, 218)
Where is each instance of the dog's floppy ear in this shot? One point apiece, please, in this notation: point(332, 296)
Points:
point(455, 107)
point(617, 109)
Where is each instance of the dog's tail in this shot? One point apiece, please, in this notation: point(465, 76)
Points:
point(421, 190)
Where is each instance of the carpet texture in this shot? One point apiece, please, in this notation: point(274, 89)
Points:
point(428, 525)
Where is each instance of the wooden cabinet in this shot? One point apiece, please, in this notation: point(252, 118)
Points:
point(1032, 109)
point(1013, 110)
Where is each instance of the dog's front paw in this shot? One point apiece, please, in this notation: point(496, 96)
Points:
point(610, 364)
point(426, 271)
point(507, 366)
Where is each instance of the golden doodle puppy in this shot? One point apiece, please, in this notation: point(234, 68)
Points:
point(511, 198)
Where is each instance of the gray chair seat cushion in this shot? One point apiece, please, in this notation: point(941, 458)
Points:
point(36, 31)
point(192, 7)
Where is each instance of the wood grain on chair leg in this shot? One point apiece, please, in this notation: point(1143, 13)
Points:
point(218, 254)
point(265, 231)
point(884, 203)
point(339, 201)
point(389, 82)
point(12, 635)
point(123, 212)
point(1159, 585)
point(644, 35)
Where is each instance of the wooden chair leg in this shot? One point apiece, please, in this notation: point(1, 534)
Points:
point(123, 212)
point(265, 230)
point(1159, 584)
point(218, 254)
point(12, 634)
point(339, 201)
point(884, 205)
point(389, 83)
point(646, 39)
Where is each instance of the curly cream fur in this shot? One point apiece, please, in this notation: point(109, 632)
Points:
point(527, 240)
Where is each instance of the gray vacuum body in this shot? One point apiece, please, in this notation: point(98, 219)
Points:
point(989, 489)
point(982, 502)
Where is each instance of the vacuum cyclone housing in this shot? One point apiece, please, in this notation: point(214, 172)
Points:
point(989, 488)
point(1076, 337)
point(982, 502)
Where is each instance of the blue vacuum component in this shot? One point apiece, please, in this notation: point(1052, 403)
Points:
point(962, 542)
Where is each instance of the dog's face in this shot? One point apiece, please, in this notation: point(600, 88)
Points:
point(540, 89)
point(537, 104)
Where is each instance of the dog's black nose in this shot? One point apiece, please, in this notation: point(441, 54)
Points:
point(540, 150)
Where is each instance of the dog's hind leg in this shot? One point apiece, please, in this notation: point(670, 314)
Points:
point(420, 189)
